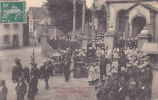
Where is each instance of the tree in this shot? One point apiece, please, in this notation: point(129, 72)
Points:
point(62, 13)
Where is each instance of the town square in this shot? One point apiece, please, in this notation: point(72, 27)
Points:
point(79, 50)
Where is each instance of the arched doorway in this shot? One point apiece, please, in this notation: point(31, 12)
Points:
point(138, 24)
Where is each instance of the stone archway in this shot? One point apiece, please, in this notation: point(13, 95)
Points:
point(138, 24)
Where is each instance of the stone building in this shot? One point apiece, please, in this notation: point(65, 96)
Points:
point(35, 15)
point(129, 17)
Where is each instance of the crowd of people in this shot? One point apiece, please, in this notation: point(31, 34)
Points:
point(129, 76)
point(24, 77)
point(122, 73)
point(27, 78)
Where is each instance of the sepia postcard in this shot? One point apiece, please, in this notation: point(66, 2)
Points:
point(78, 49)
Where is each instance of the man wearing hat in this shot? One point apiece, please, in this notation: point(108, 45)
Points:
point(47, 72)
point(17, 70)
point(21, 89)
point(3, 90)
point(34, 75)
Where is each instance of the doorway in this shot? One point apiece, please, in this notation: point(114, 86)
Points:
point(138, 24)
point(15, 41)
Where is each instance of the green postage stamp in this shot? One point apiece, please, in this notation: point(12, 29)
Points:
point(13, 12)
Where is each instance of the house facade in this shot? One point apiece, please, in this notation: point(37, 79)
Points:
point(11, 35)
point(129, 17)
point(35, 15)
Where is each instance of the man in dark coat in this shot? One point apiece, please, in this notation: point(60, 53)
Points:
point(47, 73)
point(132, 91)
point(3, 90)
point(104, 61)
point(26, 71)
point(121, 61)
point(34, 75)
point(67, 68)
point(122, 88)
point(17, 70)
point(21, 89)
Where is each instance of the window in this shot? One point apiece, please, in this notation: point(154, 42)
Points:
point(31, 22)
point(6, 38)
point(122, 21)
point(30, 25)
point(15, 26)
point(6, 26)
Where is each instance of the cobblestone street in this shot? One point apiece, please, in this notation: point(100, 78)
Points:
point(56, 82)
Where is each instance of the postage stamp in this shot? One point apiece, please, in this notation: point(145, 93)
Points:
point(13, 12)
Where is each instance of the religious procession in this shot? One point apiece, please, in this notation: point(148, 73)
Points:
point(106, 48)
point(121, 74)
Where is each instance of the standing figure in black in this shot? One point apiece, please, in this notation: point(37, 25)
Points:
point(47, 73)
point(121, 61)
point(17, 70)
point(103, 62)
point(67, 68)
point(3, 90)
point(26, 71)
point(21, 89)
point(34, 75)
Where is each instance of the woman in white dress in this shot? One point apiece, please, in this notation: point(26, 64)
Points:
point(114, 67)
point(91, 75)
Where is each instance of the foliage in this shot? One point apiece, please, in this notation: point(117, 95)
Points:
point(63, 44)
point(62, 13)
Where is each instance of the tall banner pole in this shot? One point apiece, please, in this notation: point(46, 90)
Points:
point(83, 16)
point(93, 16)
point(74, 19)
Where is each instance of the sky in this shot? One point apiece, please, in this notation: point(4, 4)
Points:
point(38, 3)
point(34, 3)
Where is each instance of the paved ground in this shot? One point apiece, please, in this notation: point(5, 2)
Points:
point(59, 90)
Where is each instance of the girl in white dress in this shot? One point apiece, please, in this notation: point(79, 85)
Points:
point(91, 75)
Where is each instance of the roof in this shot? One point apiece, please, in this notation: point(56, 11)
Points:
point(37, 12)
point(46, 21)
point(152, 5)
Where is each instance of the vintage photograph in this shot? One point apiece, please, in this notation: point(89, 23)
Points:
point(78, 50)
